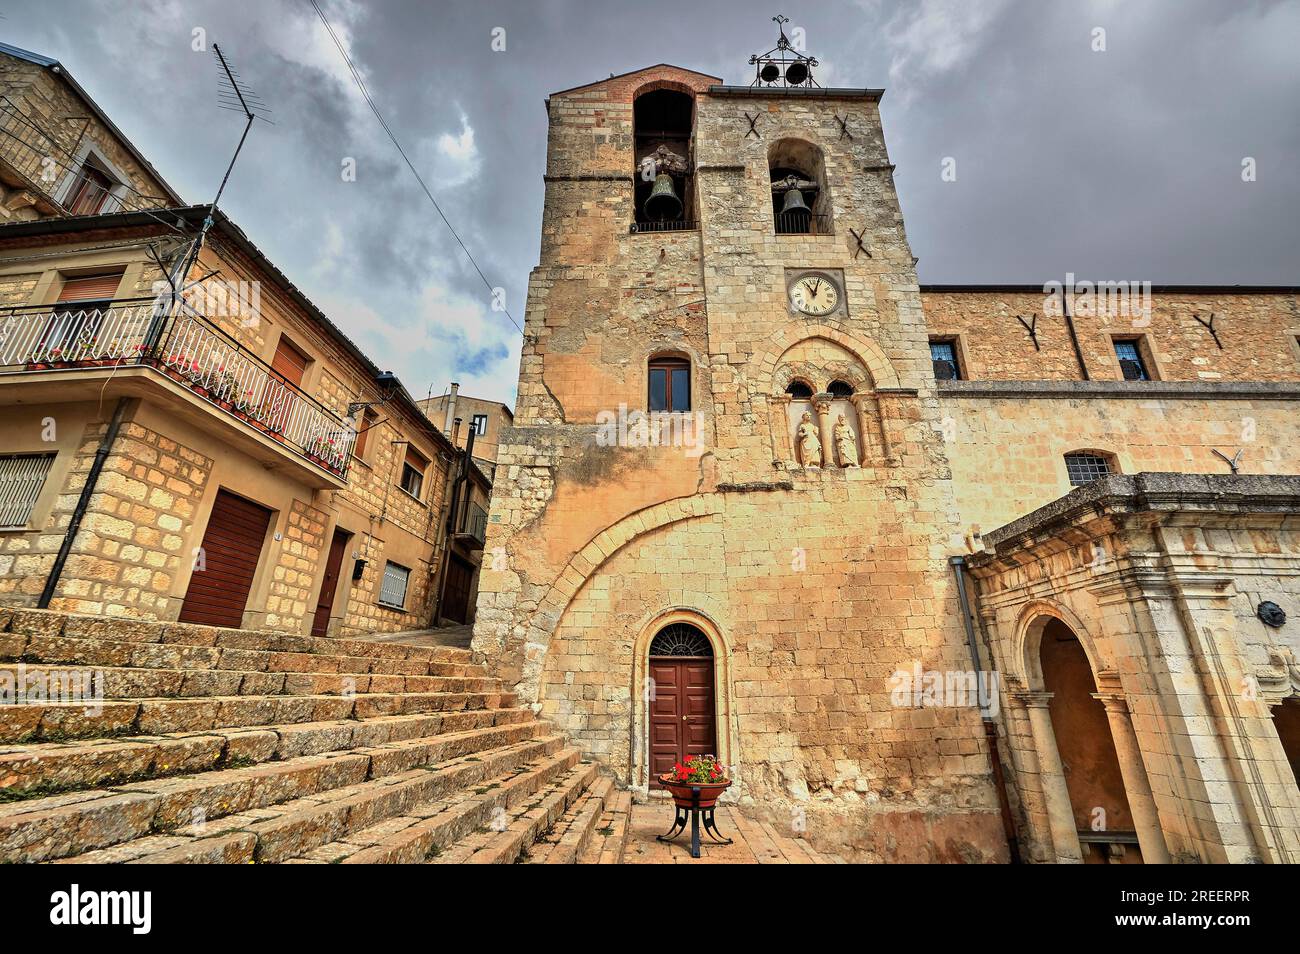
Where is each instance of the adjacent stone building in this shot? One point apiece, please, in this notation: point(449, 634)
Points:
point(767, 497)
point(219, 454)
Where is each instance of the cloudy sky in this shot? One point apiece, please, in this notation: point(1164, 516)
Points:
point(1117, 163)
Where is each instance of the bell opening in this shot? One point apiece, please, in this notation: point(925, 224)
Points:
point(663, 193)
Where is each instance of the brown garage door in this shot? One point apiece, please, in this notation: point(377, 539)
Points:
point(232, 544)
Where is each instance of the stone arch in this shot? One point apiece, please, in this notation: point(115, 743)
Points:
point(724, 714)
point(798, 155)
point(1033, 619)
point(849, 368)
point(882, 372)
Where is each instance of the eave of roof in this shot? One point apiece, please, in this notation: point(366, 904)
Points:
point(55, 66)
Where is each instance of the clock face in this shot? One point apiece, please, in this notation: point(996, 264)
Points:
point(814, 295)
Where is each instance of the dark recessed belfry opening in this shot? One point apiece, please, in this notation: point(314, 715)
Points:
point(662, 122)
point(801, 202)
point(840, 389)
point(799, 391)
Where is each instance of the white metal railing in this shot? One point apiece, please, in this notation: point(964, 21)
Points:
point(67, 335)
point(192, 352)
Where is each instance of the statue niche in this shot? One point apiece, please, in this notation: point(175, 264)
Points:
point(846, 443)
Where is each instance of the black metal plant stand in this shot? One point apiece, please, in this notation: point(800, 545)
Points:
point(696, 813)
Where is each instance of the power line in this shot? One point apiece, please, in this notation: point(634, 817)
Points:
point(356, 76)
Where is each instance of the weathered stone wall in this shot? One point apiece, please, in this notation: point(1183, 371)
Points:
point(1258, 333)
point(1007, 450)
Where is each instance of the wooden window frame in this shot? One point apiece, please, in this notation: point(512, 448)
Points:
point(667, 364)
point(421, 472)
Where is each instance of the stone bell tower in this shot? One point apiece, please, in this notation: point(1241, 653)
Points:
point(722, 519)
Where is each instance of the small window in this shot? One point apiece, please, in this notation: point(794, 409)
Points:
point(392, 589)
point(21, 478)
point(90, 191)
point(943, 356)
point(413, 473)
point(840, 389)
point(479, 425)
point(670, 384)
point(799, 390)
point(1129, 352)
point(1085, 468)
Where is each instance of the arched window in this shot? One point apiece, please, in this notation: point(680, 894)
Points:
point(801, 201)
point(799, 391)
point(1083, 467)
point(669, 382)
point(681, 639)
point(840, 389)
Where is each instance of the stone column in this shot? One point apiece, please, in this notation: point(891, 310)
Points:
point(822, 404)
point(1051, 775)
point(1137, 789)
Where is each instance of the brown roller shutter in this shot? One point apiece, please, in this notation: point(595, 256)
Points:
point(289, 363)
point(232, 545)
point(91, 287)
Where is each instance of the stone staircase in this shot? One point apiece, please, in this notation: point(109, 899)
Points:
point(237, 746)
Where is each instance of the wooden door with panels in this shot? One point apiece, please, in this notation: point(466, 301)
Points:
point(683, 718)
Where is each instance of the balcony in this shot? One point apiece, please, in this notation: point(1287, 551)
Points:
point(43, 344)
point(474, 529)
point(59, 182)
point(801, 223)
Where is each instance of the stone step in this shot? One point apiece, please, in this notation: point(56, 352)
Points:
point(67, 721)
point(17, 622)
point(521, 825)
point(576, 830)
point(148, 655)
point(110, 682)
point(60, 826)
point(293, 828)
point(430, 828)
point(612, 833)
point(45, 768)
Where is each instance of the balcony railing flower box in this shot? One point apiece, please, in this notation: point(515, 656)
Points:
point(190, 351)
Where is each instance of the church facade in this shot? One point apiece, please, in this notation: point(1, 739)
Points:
point(942, 573)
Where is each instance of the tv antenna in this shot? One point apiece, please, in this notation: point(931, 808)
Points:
point(235, 95)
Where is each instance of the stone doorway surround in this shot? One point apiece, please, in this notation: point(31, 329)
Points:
point(1159, 577)
point(639, 774)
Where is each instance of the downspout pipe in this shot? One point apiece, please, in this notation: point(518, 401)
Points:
point(958, 564)
point(1074, 335)
point(83, 502)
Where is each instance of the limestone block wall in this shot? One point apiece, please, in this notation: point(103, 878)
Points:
point(1257, 335)
point(1007, 453)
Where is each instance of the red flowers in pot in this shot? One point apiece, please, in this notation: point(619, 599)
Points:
point(704, 772)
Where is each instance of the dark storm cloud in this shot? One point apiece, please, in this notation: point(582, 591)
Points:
point(1123, 164)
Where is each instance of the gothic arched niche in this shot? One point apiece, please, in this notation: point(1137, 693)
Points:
point(821, 362)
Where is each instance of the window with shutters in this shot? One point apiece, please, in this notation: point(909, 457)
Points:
point(364, 425)
point(290, 362)
point(78, 313)
point(943, 357)
point(392, 589)
point(21, 478)
point(1133, 365)
point(1083, 467)
point(670, 384)
point(413, 469)
point(90, 190)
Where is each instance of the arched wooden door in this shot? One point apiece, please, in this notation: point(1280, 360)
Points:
point(683, 713)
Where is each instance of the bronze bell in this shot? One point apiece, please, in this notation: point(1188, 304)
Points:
point(663, 203)
point(794, 203)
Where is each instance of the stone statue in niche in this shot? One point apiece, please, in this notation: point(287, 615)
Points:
point(846, 443)
point(807, 443)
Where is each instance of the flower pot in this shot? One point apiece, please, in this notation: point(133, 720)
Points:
point(685, 798)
